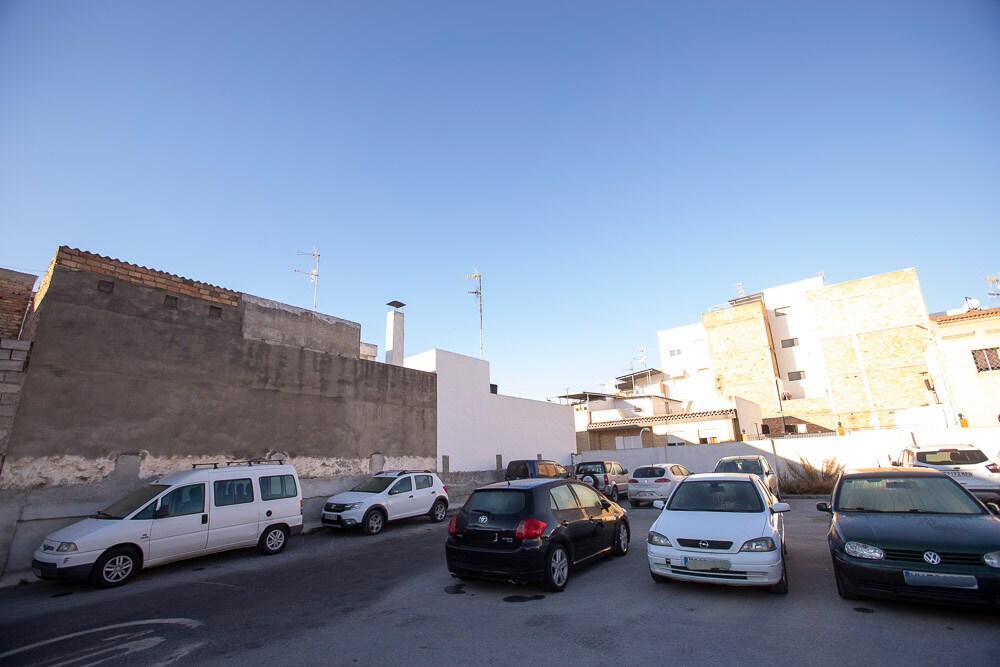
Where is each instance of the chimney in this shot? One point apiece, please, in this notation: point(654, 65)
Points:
point(394, 334)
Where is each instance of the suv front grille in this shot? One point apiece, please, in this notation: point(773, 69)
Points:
point(712, 544)
point(908, 556)
point(331, 507)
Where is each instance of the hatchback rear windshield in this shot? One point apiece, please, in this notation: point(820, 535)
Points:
point(374, 484)
point(498, 502)
point(747, 466)
point(904, 495)
point(590, 467)
point(709, 496)
point(955, 457)
point(649, 472)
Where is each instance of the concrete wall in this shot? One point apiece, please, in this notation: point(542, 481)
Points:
point(475, 425)
point(130, 371)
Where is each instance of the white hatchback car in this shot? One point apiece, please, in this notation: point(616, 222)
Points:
point(654, 482)
point(386, 497)
point(720, 528)
point(966, 464)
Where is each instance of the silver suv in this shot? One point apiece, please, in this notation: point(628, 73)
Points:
point(966, 464)
point(608, 477)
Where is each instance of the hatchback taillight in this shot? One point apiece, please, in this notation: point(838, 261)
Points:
point(633, 481)
point(445, 487)
point(529, 529)
point(662, 480)
point(453, 525)
point(993, 467)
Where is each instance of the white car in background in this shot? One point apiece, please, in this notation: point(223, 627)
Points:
point(387, 496)
point(654, 482)
point(720, 529)
point(965, 464)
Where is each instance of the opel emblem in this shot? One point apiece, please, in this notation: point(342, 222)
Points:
point(483, 519)
point(703, 544)
point(932, 558)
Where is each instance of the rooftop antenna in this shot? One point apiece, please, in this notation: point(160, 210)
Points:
point(478, 293)
point(739, 289)
point(994, 282)
point(312, 273)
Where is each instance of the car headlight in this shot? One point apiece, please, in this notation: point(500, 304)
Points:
point(66, 546)
point(352, 506)
point(658, 540)
point(992, 559)
point(759, 544)
point(861, 550)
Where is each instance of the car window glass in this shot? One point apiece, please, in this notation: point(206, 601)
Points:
point(546, 470)
point(373, 485)
point(716, 496)
point(146, 513)
point(561, 471)
point(517, 470)
point(562, 498)
point(232, 492)
point(648, 472)
point(585, 468)
point(184, 500)
point(402, 486)
point(764, 491)
point(905, 495)
point(277, 486)
point(676, 471)
point(497, 501)
point(424, 482)
point(588, 497)
point(955, 457)
point(121, 508)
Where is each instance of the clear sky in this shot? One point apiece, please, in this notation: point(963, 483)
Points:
point(612, 168)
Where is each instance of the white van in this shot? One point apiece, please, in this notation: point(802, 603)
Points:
point(213, 507)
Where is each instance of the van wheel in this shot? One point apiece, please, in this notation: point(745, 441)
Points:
point(438, 511)
point(273, 540)
point(115, 567)
point(373, 522)
point(556, 569)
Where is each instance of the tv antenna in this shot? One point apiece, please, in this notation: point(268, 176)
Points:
point(313, 273)
point(478, 293)
point(994, 282)
point(739, 289)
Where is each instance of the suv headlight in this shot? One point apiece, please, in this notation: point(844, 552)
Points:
point(658, 540)
point(352, 506)
point(861, 550)
point(992, 559)
point(65, 547)
point(759, 544)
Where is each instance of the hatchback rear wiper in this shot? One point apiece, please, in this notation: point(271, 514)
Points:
point(489, 514)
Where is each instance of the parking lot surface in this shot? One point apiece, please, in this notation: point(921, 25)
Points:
point(342, 598)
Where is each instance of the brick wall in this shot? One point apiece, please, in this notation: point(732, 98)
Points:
point(13, 359)
point(15, 295)
point(739, 343)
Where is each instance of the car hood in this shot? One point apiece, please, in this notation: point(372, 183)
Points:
point(735, 527)
point(348, 497)
point(83, 532)
point(955, 533)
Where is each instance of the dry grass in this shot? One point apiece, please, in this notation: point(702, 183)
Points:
point(805, 478)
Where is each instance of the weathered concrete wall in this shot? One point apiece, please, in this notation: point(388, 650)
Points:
point(282, 324)
point(125, 369)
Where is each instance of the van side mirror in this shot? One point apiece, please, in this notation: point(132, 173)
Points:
point(824, 507)
point(162, 512)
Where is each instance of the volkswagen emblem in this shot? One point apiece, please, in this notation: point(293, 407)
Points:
point(703, 544)
point(483, 519)
point(932, 558)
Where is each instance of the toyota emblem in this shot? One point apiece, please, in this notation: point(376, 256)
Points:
point(703, 544)
point(483, 519)
point(932, 558)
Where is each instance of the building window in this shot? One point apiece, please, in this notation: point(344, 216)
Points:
point(987, 359)
point(107, 286)
point(794, 376)
point(765, 429)
point(214, 311)
point(781, 312)
point(170, 301)
point(675, 353)
point(790, 342)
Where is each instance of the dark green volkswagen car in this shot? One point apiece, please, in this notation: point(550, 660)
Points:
point(913, 533)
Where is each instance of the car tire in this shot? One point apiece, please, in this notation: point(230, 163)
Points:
point(273, 540)
point(634, 503)
point(438, 511)
point(589, 479)
point(659, 578)
point(614, 493)
point(116, 567)
point(622, 537)
point(556, 569)
point(781, 588)
point(373, 522)
point(844, 590)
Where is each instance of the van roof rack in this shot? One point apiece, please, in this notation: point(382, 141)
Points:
point(195, 466)
point(251, 462)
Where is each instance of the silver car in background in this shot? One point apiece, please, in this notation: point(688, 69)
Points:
point(654, 482)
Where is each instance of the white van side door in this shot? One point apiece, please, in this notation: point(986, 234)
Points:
point(279, 499)
point(232, 521)
point(182, 524)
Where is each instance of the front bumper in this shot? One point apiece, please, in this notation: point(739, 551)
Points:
point(745, 568)
point(62, 567)
point(524, 564)
point(348, 519)
point(886, 580)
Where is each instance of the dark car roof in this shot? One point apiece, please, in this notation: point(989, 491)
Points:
point(532, 483)
point(895, 471)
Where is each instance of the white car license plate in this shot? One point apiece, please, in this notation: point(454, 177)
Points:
point(958, 474)
point(913, 578)
point(326, 515)
point(705, 564)
point(646, 494)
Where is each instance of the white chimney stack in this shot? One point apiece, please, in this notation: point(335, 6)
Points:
point(394, 334)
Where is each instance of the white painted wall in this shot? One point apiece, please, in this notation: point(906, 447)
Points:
point(473, 425)
point(689, 374)
point(797, 323)
point(973, 393)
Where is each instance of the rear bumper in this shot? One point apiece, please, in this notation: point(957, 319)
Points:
point(745, 569)
point(524, 564)
point(887, 581)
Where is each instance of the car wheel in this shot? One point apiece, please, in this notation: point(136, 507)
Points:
point(115, 567)
point(659, 578)
point(373, 522)
point(438, 511)
point(556, 569)
point(622, 538)
point(614, 493)
point(844, 590)
point(273, 541)
point(634, 503)
point(781, 588)
point(589, 479)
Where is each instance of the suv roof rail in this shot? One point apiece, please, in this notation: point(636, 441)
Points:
point(261, 461)
point(401, 472)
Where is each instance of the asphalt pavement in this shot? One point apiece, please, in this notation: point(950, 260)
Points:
point(346, 599)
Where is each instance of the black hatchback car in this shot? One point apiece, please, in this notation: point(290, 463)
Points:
point(913, 533)
point(534, 530)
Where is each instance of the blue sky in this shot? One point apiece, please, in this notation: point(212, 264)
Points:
point(611, 168)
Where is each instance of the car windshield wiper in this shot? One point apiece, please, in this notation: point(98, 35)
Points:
point(920, 511)
point(858, 509)
point(102, 515)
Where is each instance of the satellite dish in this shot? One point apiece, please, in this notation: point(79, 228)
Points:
point(972, 303)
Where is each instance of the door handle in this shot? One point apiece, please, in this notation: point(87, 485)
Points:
point(411, 496)
point(204, 518)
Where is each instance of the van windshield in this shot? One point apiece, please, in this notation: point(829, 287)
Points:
point(130, 503)
point(374, 484)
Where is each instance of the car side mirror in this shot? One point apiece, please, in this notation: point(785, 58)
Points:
point(624, 471)
point(824, 507)
point(658, 504)
point(780, 507)
point(993, 507)
point(770, 473)
point(605, 503)
point(394, 492)
point(896, 464)
point(162, 512)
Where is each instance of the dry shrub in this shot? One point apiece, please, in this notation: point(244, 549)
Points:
point(805, 478)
